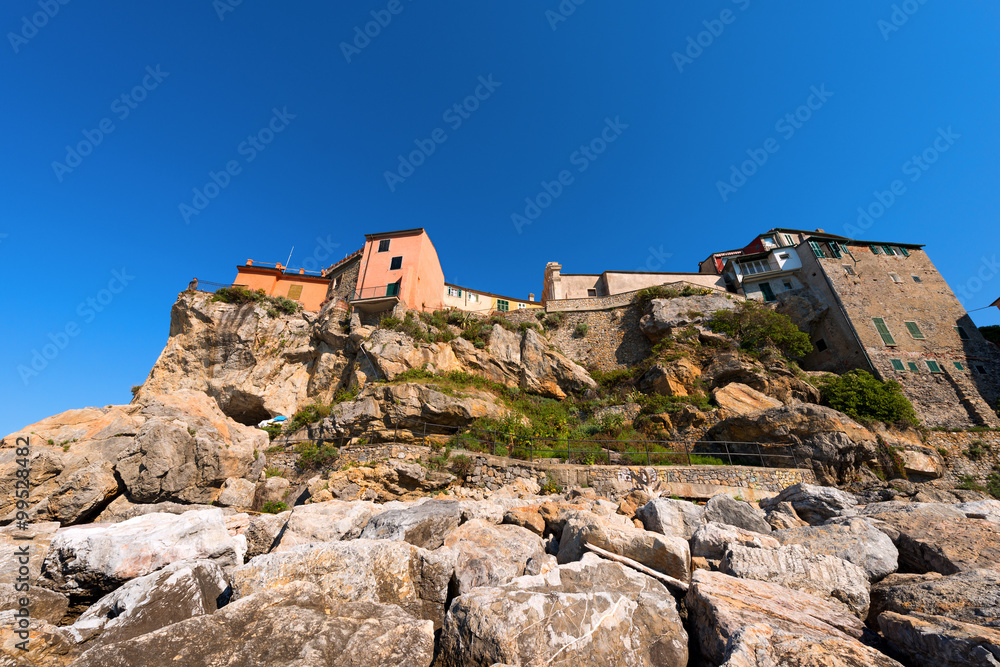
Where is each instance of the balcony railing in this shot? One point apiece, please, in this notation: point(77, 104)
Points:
point(379, 292)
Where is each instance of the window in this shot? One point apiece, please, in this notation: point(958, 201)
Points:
point(913, 366)
point(454, 291)
point(895, 278)
point(981, 369)
point(789, 240)
point(768, 241)
point(755, 266)
point(787, 284)
point(816, 249)
point(835, 249)
point(397, 263)
point(897, 365)
point(888, 250)
point(473, 298)
point(765, 289)
point(392, 290)
point(914, 330)
point(337, 281)
point(848, 269)
point(883, 331)
point(295, 292)
point(383, 245)
point(916, 278)
point(904, 252)
point(933, 366)
point(874, 249)
point(820, 345)
point(783, 255)
point(503, 306)
point(959, 366)
point(592, 292)
point(521, 306)
point(962, 333)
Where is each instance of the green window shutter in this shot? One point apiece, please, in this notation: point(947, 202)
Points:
point(913, 367)
point(906, 253)
point(933, 366)
point(503, 306)
point(883, 331)
point(888, 250)
point(874, 249)
point(835, 249)
point(295, 292)
point(816, 249)
point(392, 290)
point(962, 333)
point(915, 330)
point(959, 366)
point(897, 365)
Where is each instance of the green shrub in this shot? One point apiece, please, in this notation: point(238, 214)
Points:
point(346, 394)
point(461, 465)
point(554, 320)
point(758, 328)
point(863, 397)
point(313, 456)
point(238, 294)
point(550, 487)
point(272, 430)
point(414, 375)
point(274, 472)
point(307, 415)
point(644, 296)
point(581, 329)
point(976, 451)
point(273, 507)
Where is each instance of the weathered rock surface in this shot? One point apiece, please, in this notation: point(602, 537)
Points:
point(424, 525)
point(144, 604)
point(890, 510)
point(264, 532)
point(92, 560)
point(760, 646)
point(815, 504)
point(726, 510)
point(831, 443)
point(37, 537)
point(589, 613)
point(291, 626)
point(547, 372)
point(856, 540)
point(772, 377)
point(981, 509)
point(386, 481)
point(663, 553)
point(238, 493)
point(970, 597)
point(379, 571)
point(529, 520)
point(663, 316)
point(795, 567)
point(122, 509)
point(491, 555)
point(674, 379)
point(782, 515)
point(711, 540)
point(929, 544)
point(721, 606)
point(737, 398)
point(83, 494)
point(46, 605)
point(325, 522)
point(48, 645)
point(936, 641)
point(678, 518)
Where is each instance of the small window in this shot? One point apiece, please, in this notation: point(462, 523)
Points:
point(592, 292)
point(848, 269)
point(337, 281)
point(933, 366)
point(392, 290)
point(783, 255)
point(768, 241)
point(914, 330)
point(913, 366)
point(765, 289)
point(874, 249)
point(397, 263)
point(295, 292)
point(883, 331)
point(820, 345)
point(789, 240)
point(521, 306)
point(835, 249)
point(904, 252)
point(959, 366)
point(981, 369)
point(962, 333)
point(787, 284)
point(897, 365)
point(383, 245)
point(916, 278)
point(454, 291)
point(473, 298)
point(895, 278)
point(888, 250)
point(816, 249)
point(503, 306)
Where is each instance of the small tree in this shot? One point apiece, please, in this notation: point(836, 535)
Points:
point(757, 328)
point(863, 397)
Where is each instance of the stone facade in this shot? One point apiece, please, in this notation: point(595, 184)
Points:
point(343, 278)
point(959, 451)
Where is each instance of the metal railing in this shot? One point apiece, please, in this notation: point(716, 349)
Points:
point(588, 452)
point(381, 291)
point(197, 285)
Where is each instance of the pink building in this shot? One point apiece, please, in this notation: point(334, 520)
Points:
point(399, 266)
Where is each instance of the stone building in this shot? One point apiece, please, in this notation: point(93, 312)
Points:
point(558, 286)
point(882, 307)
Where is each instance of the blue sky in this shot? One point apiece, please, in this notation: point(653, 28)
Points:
point(153, 98)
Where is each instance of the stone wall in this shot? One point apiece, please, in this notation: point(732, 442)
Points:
point(614, 300)
point(613, 339)
point(954, 448)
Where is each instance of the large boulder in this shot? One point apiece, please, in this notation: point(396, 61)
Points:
point(855, 540)
point(726, 510)
point(325, 522)
point(90, 561)
point(46, 605)
point(929, 544)
point(831, 443)
point(423, 525)
point(41, 645)
point(795, 567)
point(588, 613)
point(712, 539)
point(936, 641)
point(491, 555)
point(296, 625)
point(815, 504)
point(772, 377)
point(759, 645)
point(737, 398)
point(379, 571)
point(674, 379)
point(663, 316)
point(678, 518)
point(720, 607)
point(83, 494)
point(144, 604)
point(970, 597)
point(547, 372)
point(663, 553)
point(264, 532)
point(13, 543)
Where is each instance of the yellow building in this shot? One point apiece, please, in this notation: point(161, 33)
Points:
point(477, 301)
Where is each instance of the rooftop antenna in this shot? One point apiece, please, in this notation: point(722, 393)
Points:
point(288, 263)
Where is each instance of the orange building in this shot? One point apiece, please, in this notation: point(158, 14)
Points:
point(399, 266)
point(308, 289)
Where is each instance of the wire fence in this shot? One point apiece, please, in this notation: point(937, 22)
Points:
point(197, 285)
point(579, 451)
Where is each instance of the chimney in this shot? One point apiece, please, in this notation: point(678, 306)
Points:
point(821, 231)
point(249, 262)
point(302, 272)
point(531, 297)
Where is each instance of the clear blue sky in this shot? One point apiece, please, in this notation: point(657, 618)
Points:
point(211, 75)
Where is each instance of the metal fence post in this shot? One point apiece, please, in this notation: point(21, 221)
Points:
point(645, 444)
point(728, 455)
point(687, 451)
